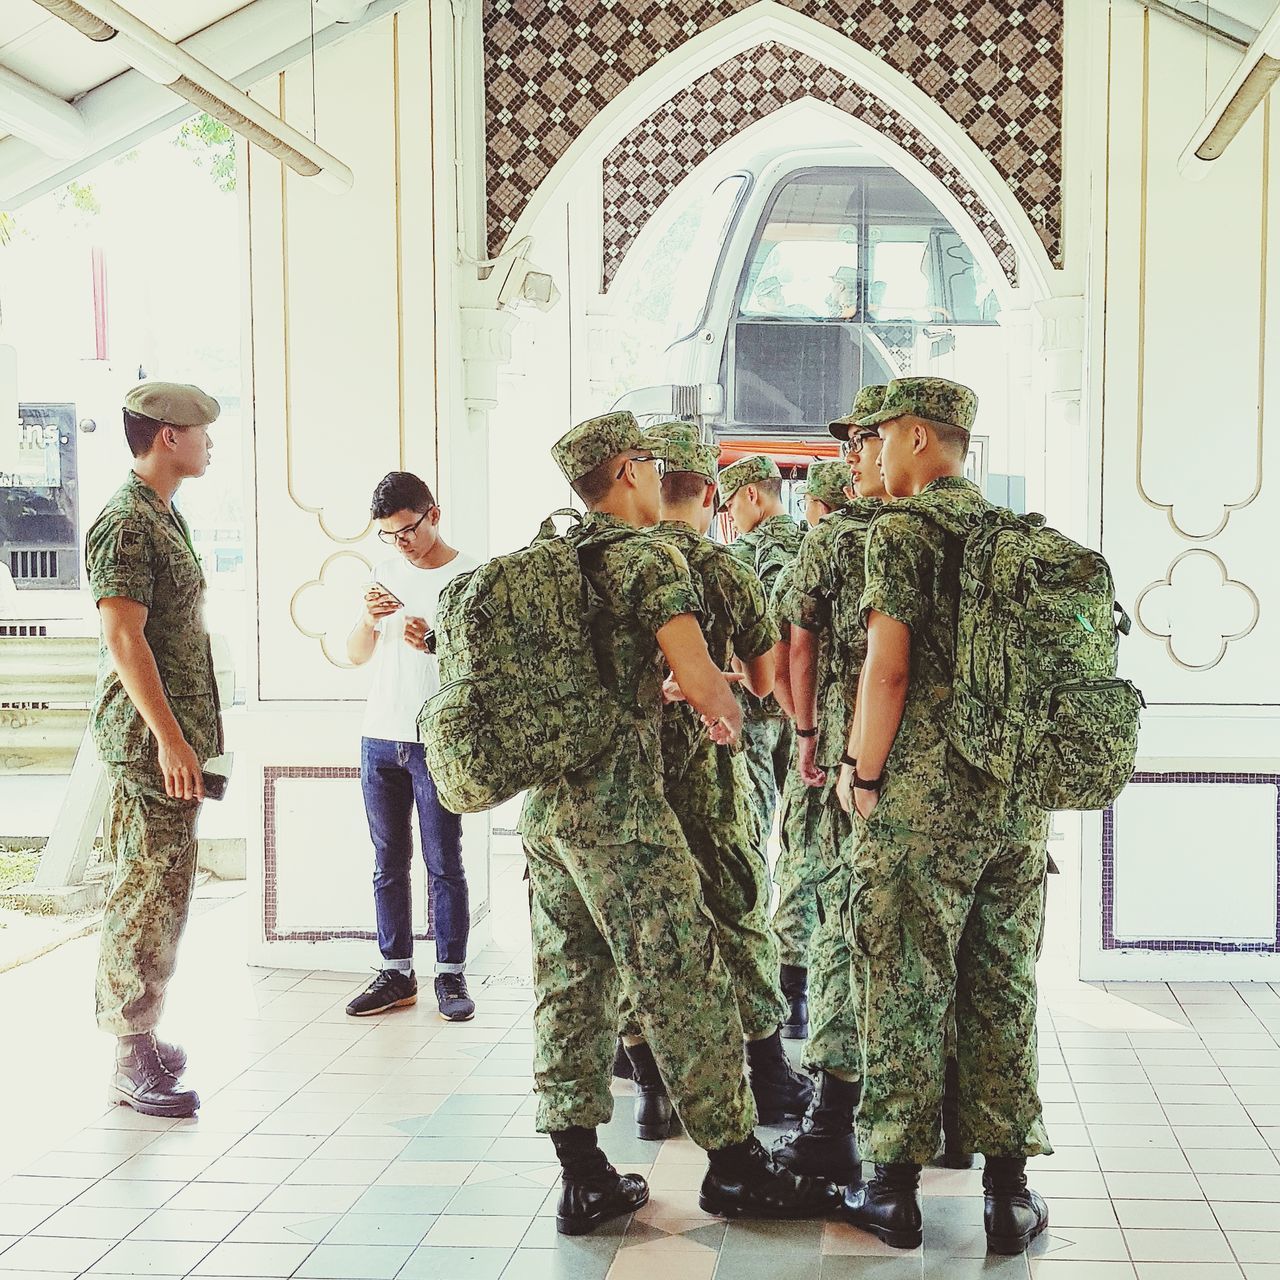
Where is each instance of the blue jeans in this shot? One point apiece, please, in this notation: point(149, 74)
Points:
point(394, 777)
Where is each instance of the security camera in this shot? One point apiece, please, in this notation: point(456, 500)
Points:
point(525, 284)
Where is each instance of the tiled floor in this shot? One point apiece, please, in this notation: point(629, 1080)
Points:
point(404, 1147)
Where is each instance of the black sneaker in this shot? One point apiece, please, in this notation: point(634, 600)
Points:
point(453, 997)
point(391, 989)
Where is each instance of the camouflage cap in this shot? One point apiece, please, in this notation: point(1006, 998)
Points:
point(750, 470)
point(868, 400)
point(826, 482)
point(937, 399)
point(174, 403)
point(590, 443)
point(685, 450)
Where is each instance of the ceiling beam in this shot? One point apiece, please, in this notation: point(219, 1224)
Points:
point(41, 118)
point(1189, 18)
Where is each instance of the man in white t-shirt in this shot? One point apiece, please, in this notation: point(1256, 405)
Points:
point(395, 633)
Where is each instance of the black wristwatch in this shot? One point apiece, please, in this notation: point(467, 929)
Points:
point(868, 784)
point(807, 733)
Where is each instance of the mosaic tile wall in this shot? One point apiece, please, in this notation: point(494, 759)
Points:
point(655, 157)
point(994, 66)
point(1109, 940)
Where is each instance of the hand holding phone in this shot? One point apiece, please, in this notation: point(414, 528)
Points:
point(380, 603)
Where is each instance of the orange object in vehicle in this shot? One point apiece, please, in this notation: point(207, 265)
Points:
point(787, 452)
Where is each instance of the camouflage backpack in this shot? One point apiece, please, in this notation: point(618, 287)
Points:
point(521, 701)
point(1036, 701)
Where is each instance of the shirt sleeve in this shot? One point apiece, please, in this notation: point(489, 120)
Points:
point(755, 631)
point(899, 569)
point(118, 559)
point(807, 605)
point(658, 584)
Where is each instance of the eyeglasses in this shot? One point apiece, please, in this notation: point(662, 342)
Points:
point(853, 447)
point(659, 464)
point(403, 536)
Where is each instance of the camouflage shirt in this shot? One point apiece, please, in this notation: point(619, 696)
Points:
point(702, 778)
point(768, 549)
point(140, 548)
point(827, 572)
point(913, 576)
point(642, 582)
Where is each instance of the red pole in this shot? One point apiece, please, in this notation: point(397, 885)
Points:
point(99, 303)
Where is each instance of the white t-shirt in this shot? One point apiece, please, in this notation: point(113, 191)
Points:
point(405, 677)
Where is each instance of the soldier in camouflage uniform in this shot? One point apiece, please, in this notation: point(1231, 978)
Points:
point(800, 862)
point(155, 722)
point(767, 540)
point(948, 866)
point(709, 790)
point(827, 646)
point(616, 897)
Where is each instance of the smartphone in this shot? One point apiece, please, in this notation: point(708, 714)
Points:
point(391, 595)
point(215, 784)
point(216, 776)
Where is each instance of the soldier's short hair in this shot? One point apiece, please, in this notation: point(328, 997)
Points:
point(140, 432)
point(594, 486)
point(400, 491)
point(770, 488)
point(679, 487)
point(952, 437)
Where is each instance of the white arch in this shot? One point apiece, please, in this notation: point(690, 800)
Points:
point(768, 20)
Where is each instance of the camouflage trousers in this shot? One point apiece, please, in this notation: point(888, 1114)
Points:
point(803, 861)
point(629, 920)
point(936, 919)
point(151, 840)
point(735, 886)
point(768, 742)
point(835, 988)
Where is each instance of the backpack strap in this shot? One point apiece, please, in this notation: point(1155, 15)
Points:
point(547, 529)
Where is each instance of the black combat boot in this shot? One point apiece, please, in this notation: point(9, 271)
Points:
point(780, 1091)
point(953, 1155)
point(621, 1063)
point(823, 1144)
point(745, 1182)
point(795, 986)
point(889, 1206)
point(143, 1082)
point(653, 1107)
point(1012, 1213)
point(174, 1056)
point(591, 1190)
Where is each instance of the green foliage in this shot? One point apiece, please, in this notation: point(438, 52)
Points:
point(213, 145)
point(79, 196)
point(6, 228)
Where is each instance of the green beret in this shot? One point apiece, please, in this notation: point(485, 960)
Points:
point(826, 482)
point(174, 403)
point(867, 401)
point(750, 470)
point(590, 443)
point(936, 399)
point(685, 450)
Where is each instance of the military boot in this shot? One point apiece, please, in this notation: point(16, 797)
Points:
point(823, 1144)
point(621, 1063)
point(591, 1190)
point(888, 1206)
point(745, 1182)
point(795, 986)
point(953, 1155)
point(143, 1082)
point(780, 1091)
point(174, 1056)
point(1012, 1213)
point(653, 1106)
